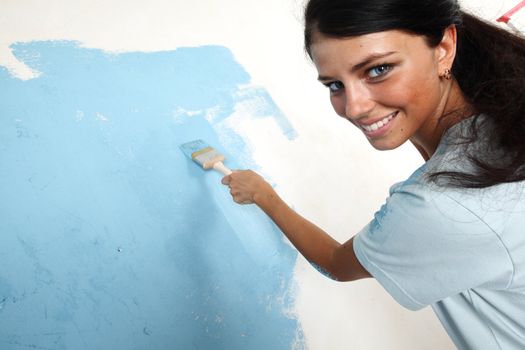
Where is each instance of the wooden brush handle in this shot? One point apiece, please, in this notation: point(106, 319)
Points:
point(220, 167)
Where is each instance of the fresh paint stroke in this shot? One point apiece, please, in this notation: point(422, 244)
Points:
point(111, 237)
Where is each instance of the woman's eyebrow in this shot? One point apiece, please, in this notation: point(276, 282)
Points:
point(369, 59)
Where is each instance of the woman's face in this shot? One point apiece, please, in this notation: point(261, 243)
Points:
point(387, 84)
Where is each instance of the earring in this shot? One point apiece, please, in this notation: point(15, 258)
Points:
point(447, 74)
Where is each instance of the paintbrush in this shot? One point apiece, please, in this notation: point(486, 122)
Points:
point(507, 17)
point(206, 156)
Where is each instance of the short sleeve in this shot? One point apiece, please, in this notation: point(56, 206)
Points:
point(424, 245)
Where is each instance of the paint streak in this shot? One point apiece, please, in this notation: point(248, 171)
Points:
point(107, 227)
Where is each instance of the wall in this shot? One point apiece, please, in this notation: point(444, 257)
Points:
point(114, 240)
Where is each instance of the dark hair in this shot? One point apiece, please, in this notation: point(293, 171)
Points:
point(489, 68)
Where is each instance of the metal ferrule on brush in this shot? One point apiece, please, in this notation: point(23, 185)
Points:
point(207, 157)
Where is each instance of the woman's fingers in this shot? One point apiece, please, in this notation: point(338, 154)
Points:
point(243, 185)
point(226, 180)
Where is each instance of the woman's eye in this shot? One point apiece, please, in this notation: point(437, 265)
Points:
point(379, 71)
point(335, 86)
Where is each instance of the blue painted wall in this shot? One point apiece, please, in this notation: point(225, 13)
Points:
point(110, 237)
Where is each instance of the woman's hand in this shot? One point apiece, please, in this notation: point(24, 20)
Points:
point(247, 187)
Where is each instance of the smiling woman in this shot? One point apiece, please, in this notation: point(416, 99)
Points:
point(375, 82)
point(450, 236)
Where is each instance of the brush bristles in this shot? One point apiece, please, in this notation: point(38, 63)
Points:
point(207, 157)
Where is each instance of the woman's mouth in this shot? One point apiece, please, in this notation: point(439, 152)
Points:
point(379, 126)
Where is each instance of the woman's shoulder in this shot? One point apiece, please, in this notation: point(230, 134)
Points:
point(432, 196)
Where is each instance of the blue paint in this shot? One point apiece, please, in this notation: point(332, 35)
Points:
point(111, 238)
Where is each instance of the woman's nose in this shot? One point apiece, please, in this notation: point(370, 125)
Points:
point(358, 102)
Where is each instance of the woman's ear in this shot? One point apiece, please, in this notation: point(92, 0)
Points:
point(446, 49)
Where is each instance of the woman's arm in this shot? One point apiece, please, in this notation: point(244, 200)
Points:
point(337, 260)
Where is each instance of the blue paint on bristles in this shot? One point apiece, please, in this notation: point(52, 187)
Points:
point(205, 155)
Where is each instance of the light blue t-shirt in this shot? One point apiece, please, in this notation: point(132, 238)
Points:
point(462, 251)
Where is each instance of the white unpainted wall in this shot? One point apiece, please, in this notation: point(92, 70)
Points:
point(329, 173)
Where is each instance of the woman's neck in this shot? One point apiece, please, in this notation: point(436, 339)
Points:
point(451, 111)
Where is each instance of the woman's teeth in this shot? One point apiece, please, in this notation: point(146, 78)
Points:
point(379, 124)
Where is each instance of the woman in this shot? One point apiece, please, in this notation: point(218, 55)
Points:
point(453, 234)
